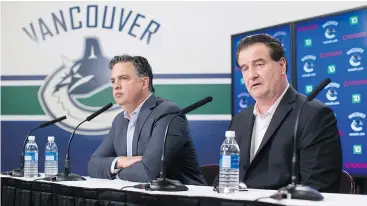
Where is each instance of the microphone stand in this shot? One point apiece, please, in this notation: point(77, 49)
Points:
point(19, 172)
point(163, 183)
point(66, 175)
point(294, 190)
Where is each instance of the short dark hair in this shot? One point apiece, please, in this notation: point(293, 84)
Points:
point(275, 46)
point(140, 63)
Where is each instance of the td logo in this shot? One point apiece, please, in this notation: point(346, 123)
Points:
point(357, 149)
point(308, 42)
point(356, 98)
point(331, 69)
point(353, 20)
point(309, 88)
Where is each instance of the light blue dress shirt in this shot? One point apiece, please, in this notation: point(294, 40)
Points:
point(130, 133)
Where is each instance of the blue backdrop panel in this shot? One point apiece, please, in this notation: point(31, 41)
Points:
point(335, 46)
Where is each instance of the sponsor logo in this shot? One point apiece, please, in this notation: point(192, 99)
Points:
point(243, 100)
point(357, 149)
point(353, 20)
point(355, 82)
point(308, 65)
point(307, 28)
point(354, 36)
point(332, 93)
point(331, 69)
point(330, 32)
point(308, 88)
point(308, 42)
point(281, 36)
point(355, 165)
point(331, 54)
point(356, 119)
point(355, 59)
point(356, 98)
point(242, 81)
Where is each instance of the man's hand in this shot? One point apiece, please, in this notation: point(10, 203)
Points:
point(124, 162)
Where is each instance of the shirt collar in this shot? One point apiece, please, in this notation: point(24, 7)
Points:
point(136, 112)
point(272, 109)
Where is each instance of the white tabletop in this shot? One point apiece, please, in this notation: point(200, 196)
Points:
point(205, 191)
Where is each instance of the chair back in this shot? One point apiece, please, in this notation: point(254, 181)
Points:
point(347, 184)
point(210, 172)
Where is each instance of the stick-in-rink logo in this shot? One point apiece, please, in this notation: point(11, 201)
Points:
point(355, 59)
point(308, 65)
point(330, 32)
point(356, 124)
point(332, 94)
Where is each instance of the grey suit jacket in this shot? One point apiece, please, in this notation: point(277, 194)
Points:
point(180, 157)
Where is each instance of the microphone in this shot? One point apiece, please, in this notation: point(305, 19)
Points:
point(295, 190)
point(103, 109)
point(19, 172)
point(67, 176)
point(196, 105)
point(162, 183)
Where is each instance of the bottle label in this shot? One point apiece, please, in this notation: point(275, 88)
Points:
point(53, 156)
point(31, 156)
point(230, 161)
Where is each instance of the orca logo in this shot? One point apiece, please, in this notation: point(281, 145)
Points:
point(332, 93)
point(72, 88)
point(330, 31)
point(280, 35)
point(357, 123)
point(244, 100)
point(355, 59)
point(308, 65)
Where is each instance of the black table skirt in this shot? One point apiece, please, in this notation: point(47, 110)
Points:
point(24, 193)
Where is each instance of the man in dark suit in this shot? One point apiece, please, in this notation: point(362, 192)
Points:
point(265, 130)
point(133, 148)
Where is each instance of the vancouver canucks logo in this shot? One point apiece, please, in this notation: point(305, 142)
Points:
point(330, 32)
point(79, 88)
point(244, 96)
point(332, 93)
point(280, 35)
point(355, 58)
point(356, 124)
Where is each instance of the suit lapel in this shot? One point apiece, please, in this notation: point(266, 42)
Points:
point(145, 111)
point(122, 140)
point(281, 112)
point(245, 134)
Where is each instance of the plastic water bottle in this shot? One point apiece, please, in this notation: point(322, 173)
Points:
point(51, 158)
point(229, 164)
point(31, 158)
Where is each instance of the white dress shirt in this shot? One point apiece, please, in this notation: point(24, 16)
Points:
point(261, 125)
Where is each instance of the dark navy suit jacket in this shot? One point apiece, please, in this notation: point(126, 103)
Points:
point(319, 148)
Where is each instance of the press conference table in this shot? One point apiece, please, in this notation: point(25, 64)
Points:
point(26, 191)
